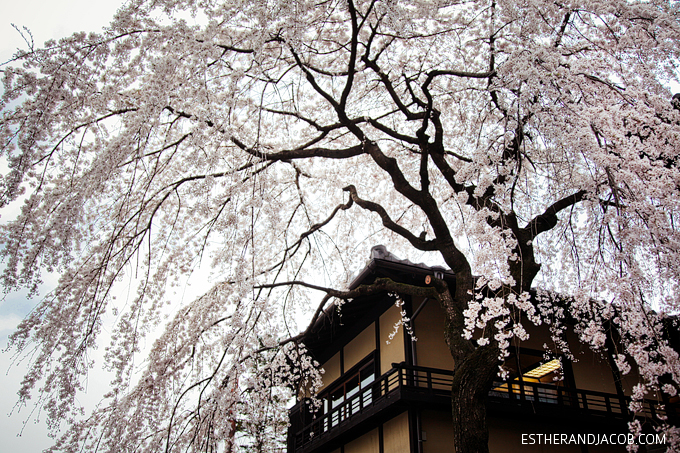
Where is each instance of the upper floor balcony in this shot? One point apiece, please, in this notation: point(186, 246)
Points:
point(350, 407)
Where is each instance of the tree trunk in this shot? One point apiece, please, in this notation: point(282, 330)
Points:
point(475, 368)
point(472, 380)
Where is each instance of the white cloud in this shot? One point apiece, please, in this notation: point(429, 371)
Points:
point(7, 325)
point(51, 19)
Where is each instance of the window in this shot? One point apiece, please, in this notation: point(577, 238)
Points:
point(351, 394)
point(531, 376)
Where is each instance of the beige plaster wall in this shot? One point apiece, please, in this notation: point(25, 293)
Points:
point(362, 345)
point(437, 432)
point(538, 336)
point(431, 349)
point(331, 370)
point(368, 443)
point(392, 352)
point(396, 436)
point(591, 370)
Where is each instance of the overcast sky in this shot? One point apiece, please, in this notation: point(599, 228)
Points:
point(46, 19)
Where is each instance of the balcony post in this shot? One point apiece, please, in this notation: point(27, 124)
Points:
point(607, 403)
point(535, 391)
point(623, 402)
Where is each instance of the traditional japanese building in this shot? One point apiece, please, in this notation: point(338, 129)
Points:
point(387, 390)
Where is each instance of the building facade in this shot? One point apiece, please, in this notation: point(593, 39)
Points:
point(387, 389)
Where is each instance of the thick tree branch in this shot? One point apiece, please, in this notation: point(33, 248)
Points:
point(451, 72)
point(548, 219)
point(389, 223)
point(352, 55)
point(392, 133)
point(303, 153)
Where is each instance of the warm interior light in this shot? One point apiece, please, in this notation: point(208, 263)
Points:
point(544, 369)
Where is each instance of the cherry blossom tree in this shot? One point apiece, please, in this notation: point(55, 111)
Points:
point(523, 144)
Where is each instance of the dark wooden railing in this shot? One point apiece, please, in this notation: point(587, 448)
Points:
point(364, 398)
point(414, 380)
point(586, 400)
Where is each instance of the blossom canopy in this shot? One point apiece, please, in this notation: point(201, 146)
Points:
point(527, 144)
